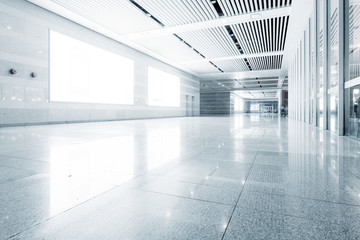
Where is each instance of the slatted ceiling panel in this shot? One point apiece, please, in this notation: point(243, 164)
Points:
point(266, 63)
point(178, 12)
point(111, 15)
point(265, 35)
point(170, 47)
point(201, 67)
point(236, 65)
point(235, 7)
point(211, 42)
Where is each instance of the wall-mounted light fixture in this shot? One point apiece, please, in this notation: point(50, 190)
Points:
point(33, 74)
point(13, 71)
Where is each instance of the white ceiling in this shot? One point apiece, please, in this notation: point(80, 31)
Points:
point(231, 44)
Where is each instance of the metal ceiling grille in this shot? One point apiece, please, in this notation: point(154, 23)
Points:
point(266, 35)
point(266, 63)
point(176, 12)
point(235, 7)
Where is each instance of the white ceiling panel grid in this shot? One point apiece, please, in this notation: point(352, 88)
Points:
point(118, 16)
point(210, 38)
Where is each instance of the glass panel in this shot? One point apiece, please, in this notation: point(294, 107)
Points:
point(334, 41)
point(320, 87)
point(333, 112)
point(352, 100)
point(354, 39)
point(353, 128)
point(333, 79)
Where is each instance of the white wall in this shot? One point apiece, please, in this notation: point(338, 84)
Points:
point(25, 47)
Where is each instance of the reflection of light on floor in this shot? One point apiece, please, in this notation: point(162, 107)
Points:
point(163, 146)
point(321, 121)
point(254, 117)
point(81, 171)
point(238, 122)
point(333, 122)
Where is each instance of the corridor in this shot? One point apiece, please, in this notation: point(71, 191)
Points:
point(246, 176)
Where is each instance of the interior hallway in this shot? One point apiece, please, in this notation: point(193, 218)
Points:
point(227, 177)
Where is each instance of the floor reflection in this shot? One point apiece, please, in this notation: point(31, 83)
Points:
point(160, 177)
point(80, 171)
point(163, 146)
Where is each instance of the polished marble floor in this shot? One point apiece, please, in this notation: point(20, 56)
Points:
point(238, 177)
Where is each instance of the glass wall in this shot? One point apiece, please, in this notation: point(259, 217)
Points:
point(333, 79)
point(321, 64)
point(337, 60)
point(352, 96)
point(354, 39)
point(353, 126)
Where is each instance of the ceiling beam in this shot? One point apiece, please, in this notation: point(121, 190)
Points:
point(268, 89)
point(240, 75)
point(240, 81)
point(222, 21)
point(242, 56)
point(261, 99)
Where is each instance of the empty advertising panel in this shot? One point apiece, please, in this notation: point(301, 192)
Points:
point(80, 72)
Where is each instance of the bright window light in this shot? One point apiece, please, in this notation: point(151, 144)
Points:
point(80, 72)
point(254, 107)
point(163, 89)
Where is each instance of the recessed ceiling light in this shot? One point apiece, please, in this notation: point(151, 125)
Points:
point(8, 27)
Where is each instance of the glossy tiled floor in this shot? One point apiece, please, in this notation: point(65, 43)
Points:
point(240, 177)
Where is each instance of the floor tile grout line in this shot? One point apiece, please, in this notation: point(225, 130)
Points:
point(172, 195)
point(233, 211)
point(63, 212)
